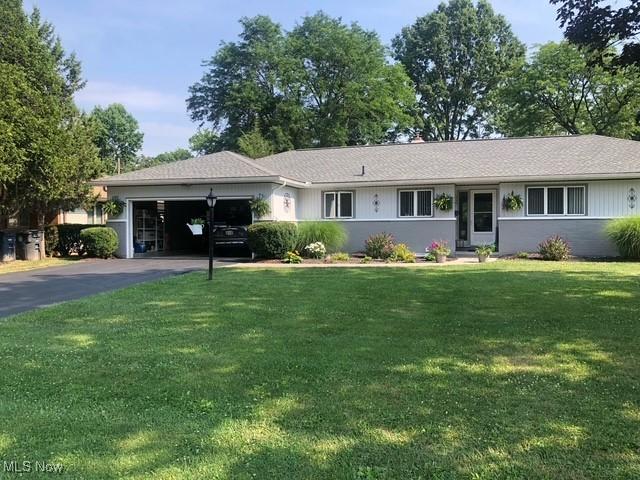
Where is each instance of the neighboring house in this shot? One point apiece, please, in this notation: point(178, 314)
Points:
point(571, 186)
point(90, 216)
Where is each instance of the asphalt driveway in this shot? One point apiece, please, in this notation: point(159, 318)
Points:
point(38, 288)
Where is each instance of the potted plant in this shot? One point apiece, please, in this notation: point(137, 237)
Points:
point(512, 202)
point(196, 226)
point(443, 202)
point(484, 251)
point(260, 207)
point(440, 249)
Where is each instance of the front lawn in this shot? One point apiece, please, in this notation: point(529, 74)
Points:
point(501, 371)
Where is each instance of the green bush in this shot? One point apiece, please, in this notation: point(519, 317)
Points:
point(51, 239)
point(402, 253)
point(379, 245)
point(101, 242)
point(522, 255)
point(332, 234)
point(272, 239)
point(69, 239)
point(625, 233)
point(554, 248)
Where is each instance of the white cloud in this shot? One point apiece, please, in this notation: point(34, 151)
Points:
point(131, 96)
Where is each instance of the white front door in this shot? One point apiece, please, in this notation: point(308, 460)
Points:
point(483, 216)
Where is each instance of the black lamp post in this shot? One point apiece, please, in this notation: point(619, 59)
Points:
point(211, 202)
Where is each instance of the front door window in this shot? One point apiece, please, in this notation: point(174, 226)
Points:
point(483, 212)
point(483, 217)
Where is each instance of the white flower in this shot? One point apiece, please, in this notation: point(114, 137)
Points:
point(316, 250)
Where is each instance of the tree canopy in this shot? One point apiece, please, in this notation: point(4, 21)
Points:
point(117, 136)
point(144, 161)
point(205, 141)
point(46, 150)
point(456, 56)
point(598, 26)
point(324, 83)
point(560, 91)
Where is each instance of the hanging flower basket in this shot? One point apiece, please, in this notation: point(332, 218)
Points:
point(443, 202)
point(196, 226)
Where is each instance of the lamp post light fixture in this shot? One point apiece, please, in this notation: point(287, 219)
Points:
point(211, 202)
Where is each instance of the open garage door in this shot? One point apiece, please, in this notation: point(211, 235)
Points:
point(160, 227)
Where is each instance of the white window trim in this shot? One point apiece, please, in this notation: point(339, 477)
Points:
point(337, 194)
point(415, 202)
point(565, 204)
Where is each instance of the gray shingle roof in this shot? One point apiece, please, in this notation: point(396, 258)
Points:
point(221, 165)
point(458, 160)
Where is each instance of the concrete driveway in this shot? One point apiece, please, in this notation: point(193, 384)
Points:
point(32, 289)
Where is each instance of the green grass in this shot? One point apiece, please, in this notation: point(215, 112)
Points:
point(518, 369)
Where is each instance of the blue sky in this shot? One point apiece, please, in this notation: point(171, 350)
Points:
point(146, 53)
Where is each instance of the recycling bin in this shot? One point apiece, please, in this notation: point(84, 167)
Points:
point(7, 246)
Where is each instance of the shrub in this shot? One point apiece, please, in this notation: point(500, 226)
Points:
point(402, 253)
point(331, 234)
point(554, 248)
point(315, 250)
point(272, 239)
point(101, 242)
point(625, 233)
point(379, 245)
point(69, 239)
point(366, 259)
point(292, 257)
point(51, 239)
point(340, 257)
point(522, 255)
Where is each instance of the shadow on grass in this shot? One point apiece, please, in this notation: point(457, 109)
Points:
point(499, 372)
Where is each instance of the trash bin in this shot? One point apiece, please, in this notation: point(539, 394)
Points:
point(28, 245)
point(7, 246)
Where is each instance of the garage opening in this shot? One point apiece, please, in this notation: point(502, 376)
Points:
point(161, 227)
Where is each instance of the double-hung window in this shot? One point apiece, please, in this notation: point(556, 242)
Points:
point(338, 205)
point(556, 200)
point(415, 203)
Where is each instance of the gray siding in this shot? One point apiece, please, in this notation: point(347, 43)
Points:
point(416, 234)
point(586, 236)
point(121, 230)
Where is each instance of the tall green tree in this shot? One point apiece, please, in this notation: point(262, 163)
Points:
point(456, 56)
point(324, 83)
point(340, 75)
point(598, 26)
point(204, 142)
point(241, 83)
point(253, 144)
point(46, 152)
point(117, 136)
point(561, 91)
